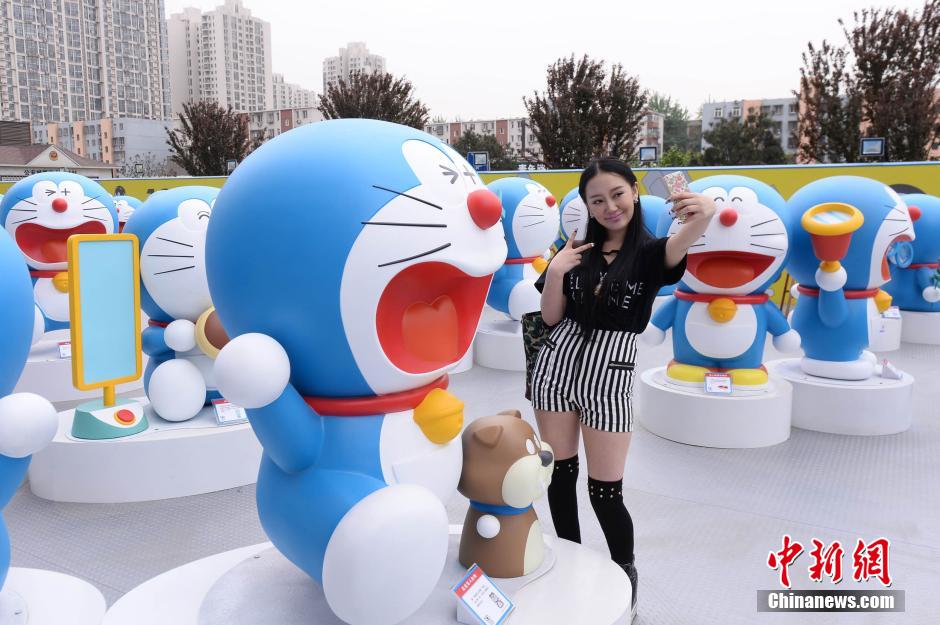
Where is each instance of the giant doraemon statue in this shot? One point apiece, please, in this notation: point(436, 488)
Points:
point(126, 206)
point(915, 265)
point(171, 231)
point(846, 227)
point(27, 421)
point(350, 262)
point(720, 313)
point(530, 223)
point(573, 216)
point(40, 212)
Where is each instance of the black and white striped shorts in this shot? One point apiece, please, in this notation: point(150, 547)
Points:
point(594, 377)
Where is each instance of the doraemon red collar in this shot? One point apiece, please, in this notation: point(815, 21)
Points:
point(375, 404)
point(44, 273)
point(935, 265)
point(861, 294)
point(758, 298)
point(521, 261)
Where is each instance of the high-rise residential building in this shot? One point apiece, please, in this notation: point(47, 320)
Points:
point(290, 96)
point(222, 55)
point(652, 130)
point(355, 57)
point(782, 112)
point(74, 60)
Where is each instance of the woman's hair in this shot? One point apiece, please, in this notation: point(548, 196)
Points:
point(592, 261)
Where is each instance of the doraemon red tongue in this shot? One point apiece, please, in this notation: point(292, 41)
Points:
point(727, 270)
point(50, 245)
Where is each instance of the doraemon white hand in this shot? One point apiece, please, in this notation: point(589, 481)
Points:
point(28, 423)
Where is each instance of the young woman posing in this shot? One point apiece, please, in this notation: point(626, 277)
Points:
point(599, 293)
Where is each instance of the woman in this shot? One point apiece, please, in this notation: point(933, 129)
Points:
point(599, 293)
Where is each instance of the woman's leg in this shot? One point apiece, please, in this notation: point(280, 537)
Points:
point(606, 457)
point(560, 430)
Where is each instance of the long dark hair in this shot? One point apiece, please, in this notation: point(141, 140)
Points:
point(592, 262)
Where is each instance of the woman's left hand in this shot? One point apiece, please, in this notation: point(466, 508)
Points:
point(695, 206)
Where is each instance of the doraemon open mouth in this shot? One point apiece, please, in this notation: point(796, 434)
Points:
point(727, 270)
point(50, 245)
point(885, 268)
point(427, 316)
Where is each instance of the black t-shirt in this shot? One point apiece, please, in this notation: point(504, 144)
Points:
point(627, 304)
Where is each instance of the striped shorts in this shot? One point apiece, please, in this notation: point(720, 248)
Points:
point(592, 377)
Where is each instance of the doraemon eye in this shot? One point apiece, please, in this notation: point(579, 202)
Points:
point(71, 189)
point(530, 446)
point(719, 196)
point(194, 214)
point(44, 188)
point(743, 199)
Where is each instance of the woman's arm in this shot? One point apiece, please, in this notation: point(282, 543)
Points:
point(553, 299)
point(699, 210)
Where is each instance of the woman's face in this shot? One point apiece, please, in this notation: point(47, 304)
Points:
point(610, 200)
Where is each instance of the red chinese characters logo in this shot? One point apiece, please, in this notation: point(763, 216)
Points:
point(871, 560)
point(784, 558)
point(868, 560)
point(826, 562)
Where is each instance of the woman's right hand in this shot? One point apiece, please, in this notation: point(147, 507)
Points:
point(568, 257)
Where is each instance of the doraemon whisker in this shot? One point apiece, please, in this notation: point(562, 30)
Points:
point(169, 256)
point(22, 220)
point(402, 260)
point(90, 199)
point(95, 208)
point(172, 241)
point(96, 218)
point(397, 223)
point(28, 202)
point(901, 220)
point(534, 223)
point(698, 244)
point(779, 249)
point(410, 197)
point(24, 210)
point(535, 207)
point(766, 222)
point(769, 234)
point(172, 270)
point(894, 234)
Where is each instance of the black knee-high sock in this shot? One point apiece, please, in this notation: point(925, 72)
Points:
point(607, 501)
point(563, 499)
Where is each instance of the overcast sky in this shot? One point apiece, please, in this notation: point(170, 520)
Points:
point(477, 59)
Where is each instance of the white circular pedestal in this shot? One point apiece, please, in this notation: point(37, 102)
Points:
point(689, 415)
point(498, 345)
point(257, 585)
point(921, 327)
point(164, 461)
point(887, 338)
point(50, 376)
point(36, 597)
point(865, 408)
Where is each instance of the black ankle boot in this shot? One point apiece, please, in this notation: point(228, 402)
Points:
point(630, 570)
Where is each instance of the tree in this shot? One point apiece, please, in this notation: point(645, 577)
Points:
point(376, 95)
point(675, 125)
point(209, 135)
point(752, 142)
point(584, 113)
point(881, 83)
point(501, 156)
point(674, 157)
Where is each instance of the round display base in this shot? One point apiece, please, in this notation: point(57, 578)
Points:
point(257, 585)
point(167, 460)
point(47, 598)
point(48, 374)
point(888, 336)
point(863, 408)
point(498, 345)
point(921, 327)
point(744, 419)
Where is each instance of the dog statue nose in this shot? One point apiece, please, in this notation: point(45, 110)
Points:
point(546, 458)
point(60, 205)
point(485, 208)
point(728, 217)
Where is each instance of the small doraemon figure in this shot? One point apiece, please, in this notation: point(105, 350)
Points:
point(574, 217)
point(530, 223)
point(720, 313)
point(847, 227)
point(349, 261)
point(171, 230)
point(125, 206)
point(915, 265)
point(41, 212)
point(656, 221)
point(27, 421)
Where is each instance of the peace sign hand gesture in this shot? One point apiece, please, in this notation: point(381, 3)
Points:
point(568, 257)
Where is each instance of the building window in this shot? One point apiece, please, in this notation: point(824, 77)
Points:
point(794, 107)
point(718, 113)
point(736, 111)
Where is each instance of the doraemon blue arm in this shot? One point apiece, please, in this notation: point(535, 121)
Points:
point(27, 421)
point(530, 223)
point(40, 212)
point(574, 217)
point(720, 313)
point(171, 231)
point(847, 227)
point(655, 209)
point(348, 304)
point(915, 265)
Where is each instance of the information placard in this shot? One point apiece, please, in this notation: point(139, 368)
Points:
point(482, 598)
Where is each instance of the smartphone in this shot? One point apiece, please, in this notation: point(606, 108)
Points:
point(676, 182)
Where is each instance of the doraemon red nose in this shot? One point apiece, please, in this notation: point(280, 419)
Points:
point(60, 205)
point(550, 200)
point(915, 212)
point(485, 208)
point(728, 217)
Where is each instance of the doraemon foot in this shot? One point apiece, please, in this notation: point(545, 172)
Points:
point(686, 374)
point(385, 556)
point(860, 369)
point(751, 379)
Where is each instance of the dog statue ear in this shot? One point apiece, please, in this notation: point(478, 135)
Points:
point(489, 435)
point(511, 413)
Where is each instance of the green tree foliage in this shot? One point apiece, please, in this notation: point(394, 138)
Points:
point(752, 142)
point(374, 96)
point(882, 80)
point(675, 157)
point(675, 130)
point(208, 137)
point(586, 112)
point(501, 156)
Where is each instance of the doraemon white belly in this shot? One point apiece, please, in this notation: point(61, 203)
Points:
point(203, 363)
point(720, 340)
point(53, 302)
point(408, 457)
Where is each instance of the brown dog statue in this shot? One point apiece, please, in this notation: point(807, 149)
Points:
point(505, 468)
